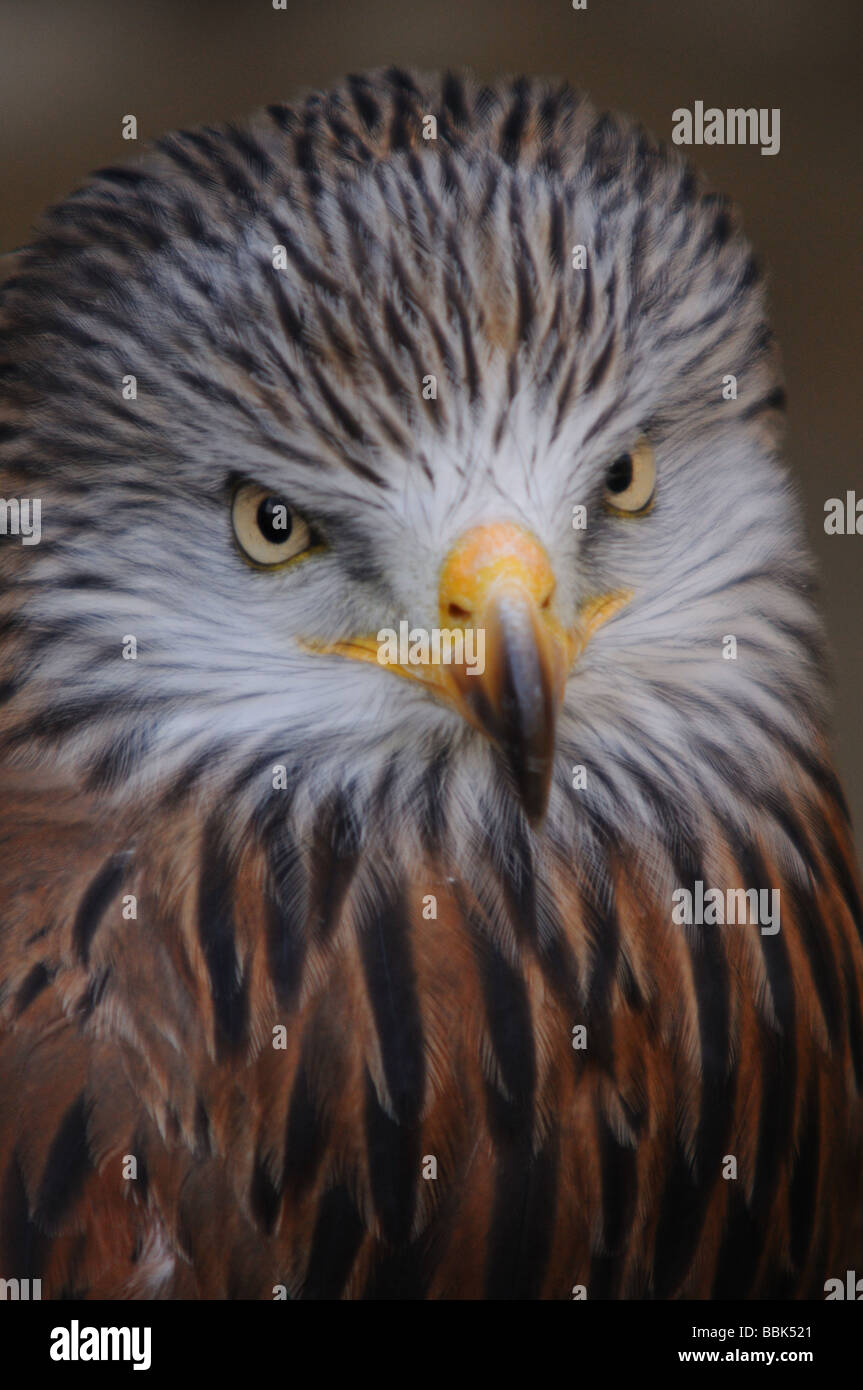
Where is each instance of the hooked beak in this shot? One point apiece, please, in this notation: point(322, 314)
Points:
point(497, 587)
point(498, 580)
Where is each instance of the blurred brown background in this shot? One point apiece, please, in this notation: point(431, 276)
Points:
point(70, 69)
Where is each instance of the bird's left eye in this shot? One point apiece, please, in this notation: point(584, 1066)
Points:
point(631, 481)
point(268, 530)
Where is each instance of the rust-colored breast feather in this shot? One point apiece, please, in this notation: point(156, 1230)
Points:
point(282, 1074)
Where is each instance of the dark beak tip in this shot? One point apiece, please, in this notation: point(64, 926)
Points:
point(517, 705)
point(531, 780)
point(535, 815)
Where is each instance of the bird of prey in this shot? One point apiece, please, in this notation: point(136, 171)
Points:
point(326, 976)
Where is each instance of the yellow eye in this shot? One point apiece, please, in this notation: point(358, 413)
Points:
point(269, 532)
point(631, 481)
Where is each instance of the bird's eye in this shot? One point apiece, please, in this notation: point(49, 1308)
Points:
point(269, 532)
point(631, 481)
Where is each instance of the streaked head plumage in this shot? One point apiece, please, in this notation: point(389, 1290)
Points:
point(400, 259)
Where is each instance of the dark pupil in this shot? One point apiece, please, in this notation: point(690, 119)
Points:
point(620, 474)
point(275, 526)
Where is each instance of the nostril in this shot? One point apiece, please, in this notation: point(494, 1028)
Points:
point(456, 611)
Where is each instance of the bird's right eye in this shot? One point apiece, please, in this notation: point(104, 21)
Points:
point(268, 530)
